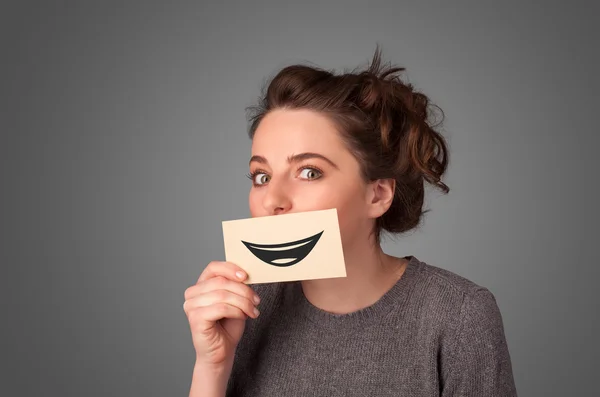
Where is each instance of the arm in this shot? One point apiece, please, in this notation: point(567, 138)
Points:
point(478, 361)
point(209, 382)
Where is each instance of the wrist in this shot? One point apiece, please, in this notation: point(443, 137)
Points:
point(210, 370)
point(216, 369)
point(209, 379)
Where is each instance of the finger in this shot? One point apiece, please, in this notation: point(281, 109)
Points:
point(221, 283)
point(224, 269)
point(222, 296)
point(205, 317)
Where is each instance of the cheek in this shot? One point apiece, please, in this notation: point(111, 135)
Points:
point(351, 208)
point(352, 219)
point(254, 203)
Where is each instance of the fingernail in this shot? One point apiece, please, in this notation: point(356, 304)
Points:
point(256, 299)
point(256, 312)
point(240, 275)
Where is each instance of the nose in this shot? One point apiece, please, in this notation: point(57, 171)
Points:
point(276, 200)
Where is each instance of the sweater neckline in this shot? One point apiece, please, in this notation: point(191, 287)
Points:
point(393, 298)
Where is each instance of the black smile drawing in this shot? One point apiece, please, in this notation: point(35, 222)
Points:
point(286, 254)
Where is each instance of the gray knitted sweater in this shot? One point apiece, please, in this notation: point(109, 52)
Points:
point(434, 333)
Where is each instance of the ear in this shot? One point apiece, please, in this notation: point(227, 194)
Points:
point(380, 195)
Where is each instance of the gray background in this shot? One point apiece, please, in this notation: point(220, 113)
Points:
point(124, 146)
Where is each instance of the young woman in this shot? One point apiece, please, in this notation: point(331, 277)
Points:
point(362, 143)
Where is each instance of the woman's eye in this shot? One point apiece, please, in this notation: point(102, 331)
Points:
point(261, 178)
point(310, 173)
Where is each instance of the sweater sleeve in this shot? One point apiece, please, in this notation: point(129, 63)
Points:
point(478, 362)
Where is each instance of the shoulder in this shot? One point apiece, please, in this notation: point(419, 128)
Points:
point(473, 354)
point(432, 281)
point(445, 279)
point(451, 300)
point(465, 313)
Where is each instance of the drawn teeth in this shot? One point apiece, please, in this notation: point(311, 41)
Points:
point(286, 254)
point(287, 247)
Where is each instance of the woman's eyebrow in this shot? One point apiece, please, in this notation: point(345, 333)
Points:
point(296, 158)
point(258, 159)
point(309, 155)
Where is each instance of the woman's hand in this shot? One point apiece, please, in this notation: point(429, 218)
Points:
point(216, 308)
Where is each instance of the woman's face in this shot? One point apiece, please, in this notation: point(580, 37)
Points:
point(300, 163)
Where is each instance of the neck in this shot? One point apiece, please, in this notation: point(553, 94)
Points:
point(370, 274)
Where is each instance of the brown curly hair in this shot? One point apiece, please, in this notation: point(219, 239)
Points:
point(383, 120)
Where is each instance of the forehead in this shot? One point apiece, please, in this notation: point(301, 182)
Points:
point(284, 131)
